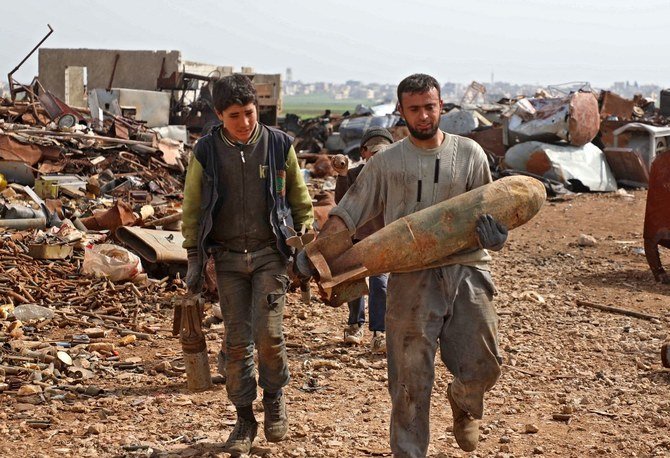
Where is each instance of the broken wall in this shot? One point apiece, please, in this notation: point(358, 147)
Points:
point(134, 69)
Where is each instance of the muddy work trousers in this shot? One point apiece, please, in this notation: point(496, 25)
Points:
point(451, 305)
point(252, 292)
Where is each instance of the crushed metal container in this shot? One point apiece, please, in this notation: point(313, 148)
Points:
point(628, 167)
point(647, 140)
point(574, 119)
point(490, 139)
point(44, 251)
point(461, 122)
point(571, 165)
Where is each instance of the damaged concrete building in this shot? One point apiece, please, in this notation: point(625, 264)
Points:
point(161, 86)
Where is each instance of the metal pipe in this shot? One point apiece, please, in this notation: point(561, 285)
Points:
point(11, 74)
point(33, 50)
point(26, 223)
point(164, 221)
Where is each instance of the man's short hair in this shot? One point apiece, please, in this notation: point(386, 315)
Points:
point(417, 83)
point(233, 89)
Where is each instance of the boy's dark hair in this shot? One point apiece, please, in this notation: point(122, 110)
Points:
point(417, 83)
point(233, 89)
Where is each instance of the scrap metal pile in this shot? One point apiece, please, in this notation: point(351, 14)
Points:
point(60, 328)
point(68, 300)
point(83, 194)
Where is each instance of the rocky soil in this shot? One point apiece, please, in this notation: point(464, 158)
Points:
point(577, 381)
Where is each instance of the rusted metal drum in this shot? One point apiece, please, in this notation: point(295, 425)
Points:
point(584, 118)
point(657, 213)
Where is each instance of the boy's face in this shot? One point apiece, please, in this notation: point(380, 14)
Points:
point(239, 121)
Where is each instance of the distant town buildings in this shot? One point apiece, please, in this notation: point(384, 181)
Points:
point(349, 90)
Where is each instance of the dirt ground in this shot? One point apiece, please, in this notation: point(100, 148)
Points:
point(577, 381)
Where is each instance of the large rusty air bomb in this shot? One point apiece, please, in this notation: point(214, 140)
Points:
point(423, 239)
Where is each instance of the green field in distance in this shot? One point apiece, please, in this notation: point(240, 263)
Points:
point(311, 105)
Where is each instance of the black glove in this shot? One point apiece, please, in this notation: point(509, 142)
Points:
point(193, 277)
point(491, 235)
point(303, 267)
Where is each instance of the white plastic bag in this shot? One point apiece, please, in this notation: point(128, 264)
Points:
point(111, 261)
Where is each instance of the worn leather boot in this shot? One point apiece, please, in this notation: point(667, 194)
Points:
point(275, 422)
point(243, 435)
point(466, 428)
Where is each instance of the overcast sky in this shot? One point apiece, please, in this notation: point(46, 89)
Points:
point(539, 41)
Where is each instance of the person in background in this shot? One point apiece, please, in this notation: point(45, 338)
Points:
point(373, 141)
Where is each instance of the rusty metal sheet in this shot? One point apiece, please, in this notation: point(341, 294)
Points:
point(607, 128)
point(12, 150)
point(628, 167)
point(119, 215)
point(55, 107)
point(172, 152)
point(120, 130)
point(491, 140)
point(614, 105)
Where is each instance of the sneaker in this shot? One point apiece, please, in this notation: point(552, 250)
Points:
point(353, 334)
point(378, 342)
point(243, 435)
point(275, 422)
point(466, 427)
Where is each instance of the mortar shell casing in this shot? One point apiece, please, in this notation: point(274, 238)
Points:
point(191, 336)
